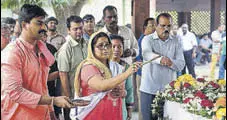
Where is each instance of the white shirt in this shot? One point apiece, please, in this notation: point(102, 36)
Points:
point(130, 41)
point(216, 36)
point(188, 41)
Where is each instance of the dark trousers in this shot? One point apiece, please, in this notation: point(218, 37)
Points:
point(207, 55)
point(189, 63)
point(66, 113)
point(55, 91)
point(146, 101)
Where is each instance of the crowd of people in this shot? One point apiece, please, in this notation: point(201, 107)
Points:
point(45, 75)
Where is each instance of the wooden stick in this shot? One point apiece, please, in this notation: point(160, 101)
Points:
point(151, 60)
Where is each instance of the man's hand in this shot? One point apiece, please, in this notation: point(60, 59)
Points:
point(193, 55)
point(63, 101)
point(166, 62)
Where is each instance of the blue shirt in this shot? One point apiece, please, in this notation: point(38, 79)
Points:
point(139, 57)
point(154, 75)
point(86, 37)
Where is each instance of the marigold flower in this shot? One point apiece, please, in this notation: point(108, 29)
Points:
point(222, 82)
point(220, 113)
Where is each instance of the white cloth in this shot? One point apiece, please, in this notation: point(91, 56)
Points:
point(79, 113)
point(116, 68)
point(175, 111)
point(188, 41)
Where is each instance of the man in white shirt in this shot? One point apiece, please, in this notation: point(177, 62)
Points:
point(189, 43)
point(217, 39)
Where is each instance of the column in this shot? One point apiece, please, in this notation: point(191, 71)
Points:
point(140, 11)
point(215, 14)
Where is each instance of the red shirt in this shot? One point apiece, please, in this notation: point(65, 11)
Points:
point(24, 81)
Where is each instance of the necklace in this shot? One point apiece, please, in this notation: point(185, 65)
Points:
point(114, 100)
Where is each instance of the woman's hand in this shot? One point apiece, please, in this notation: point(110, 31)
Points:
point(134, 67)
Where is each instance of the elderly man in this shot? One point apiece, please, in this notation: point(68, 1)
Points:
point(189, 43)
point(160, 72)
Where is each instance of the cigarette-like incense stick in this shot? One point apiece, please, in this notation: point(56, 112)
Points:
point(151, 60)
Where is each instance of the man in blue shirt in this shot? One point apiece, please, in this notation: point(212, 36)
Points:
point(148, 28)
point(157, 74)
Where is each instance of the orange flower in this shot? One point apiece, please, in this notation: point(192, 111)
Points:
point(221, 102)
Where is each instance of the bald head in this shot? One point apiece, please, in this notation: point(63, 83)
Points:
point(174, 29)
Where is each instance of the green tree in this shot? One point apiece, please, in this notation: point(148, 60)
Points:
point(62, 8)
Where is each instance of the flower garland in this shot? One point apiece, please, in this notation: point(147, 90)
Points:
point(198, 96)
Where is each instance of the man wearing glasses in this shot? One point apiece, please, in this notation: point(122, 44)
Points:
point(110, 18)
point(54, 38)
point(160, 72)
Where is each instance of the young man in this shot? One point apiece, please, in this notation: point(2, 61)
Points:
point(54, 38)
point(24, 70)
point(89, 26)
point(69, 56)
point(160, 72)
point(148, 28)
point(110, 18)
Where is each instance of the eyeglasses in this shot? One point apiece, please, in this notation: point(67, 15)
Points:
point(103, 46)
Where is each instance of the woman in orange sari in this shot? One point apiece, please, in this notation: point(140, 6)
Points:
point(94, 79)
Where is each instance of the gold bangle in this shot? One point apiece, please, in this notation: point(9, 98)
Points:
point(52, 101)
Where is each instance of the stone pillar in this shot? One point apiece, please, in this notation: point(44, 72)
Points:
point(215, 14)
point(140, 11)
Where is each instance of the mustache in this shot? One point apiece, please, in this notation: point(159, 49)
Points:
point(166, 31)
point(114, 22)
point(42, 31)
